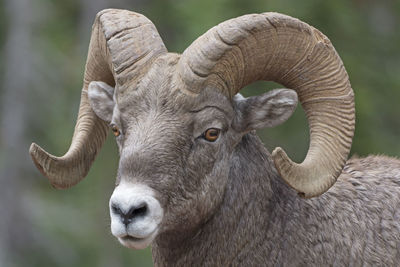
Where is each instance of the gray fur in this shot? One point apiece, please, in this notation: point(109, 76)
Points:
point(225, 204)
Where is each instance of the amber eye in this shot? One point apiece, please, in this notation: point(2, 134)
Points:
point(115, 130)
point(211, 134)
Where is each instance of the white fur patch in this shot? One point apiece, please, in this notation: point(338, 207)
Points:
point(140, 232)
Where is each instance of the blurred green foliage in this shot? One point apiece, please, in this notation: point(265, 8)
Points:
point(72, 226)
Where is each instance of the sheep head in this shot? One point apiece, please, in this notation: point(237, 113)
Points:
point(177, 118)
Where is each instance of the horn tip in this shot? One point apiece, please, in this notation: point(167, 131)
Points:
point(39, 156)
point(35, 151)
point(280, 158)
point(299, 177)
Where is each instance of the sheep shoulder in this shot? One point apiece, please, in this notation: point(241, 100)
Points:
point(358, 220)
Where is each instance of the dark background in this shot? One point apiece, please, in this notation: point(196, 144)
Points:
point(43, 46)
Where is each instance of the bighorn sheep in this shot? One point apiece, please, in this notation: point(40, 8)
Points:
point(193, 178)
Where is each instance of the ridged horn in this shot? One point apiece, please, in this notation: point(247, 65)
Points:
point(276, 47)
point(122, 46)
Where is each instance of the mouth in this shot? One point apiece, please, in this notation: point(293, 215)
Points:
point(129, 238)
point(137, 242)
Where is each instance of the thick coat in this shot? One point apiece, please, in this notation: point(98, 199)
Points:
point(262, 222)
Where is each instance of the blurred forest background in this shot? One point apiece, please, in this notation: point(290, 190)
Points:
point(43, 46)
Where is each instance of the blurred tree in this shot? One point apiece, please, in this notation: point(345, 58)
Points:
point(15, 237)
point(88, 11)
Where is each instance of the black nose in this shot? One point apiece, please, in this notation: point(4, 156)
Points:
point(133, 213)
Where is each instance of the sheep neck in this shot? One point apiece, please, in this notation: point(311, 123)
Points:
point(239, 225)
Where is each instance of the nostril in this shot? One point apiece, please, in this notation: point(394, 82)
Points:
point(115, 209)
point(137, 211)
point(133, 213)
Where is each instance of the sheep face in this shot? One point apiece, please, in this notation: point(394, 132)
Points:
point(175, 150)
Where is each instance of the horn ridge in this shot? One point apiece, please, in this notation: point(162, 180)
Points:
point(122, 46)
point(279, 48)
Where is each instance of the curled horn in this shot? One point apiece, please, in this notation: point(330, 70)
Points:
point(275, 47)
point(122, 46)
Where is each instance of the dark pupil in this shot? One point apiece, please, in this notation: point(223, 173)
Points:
point(213, 133)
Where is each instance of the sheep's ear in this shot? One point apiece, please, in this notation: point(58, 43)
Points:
point(266, 110)
point(101, 99)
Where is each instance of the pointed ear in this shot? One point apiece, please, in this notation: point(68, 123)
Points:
point(101, 99)
point(266, 110)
